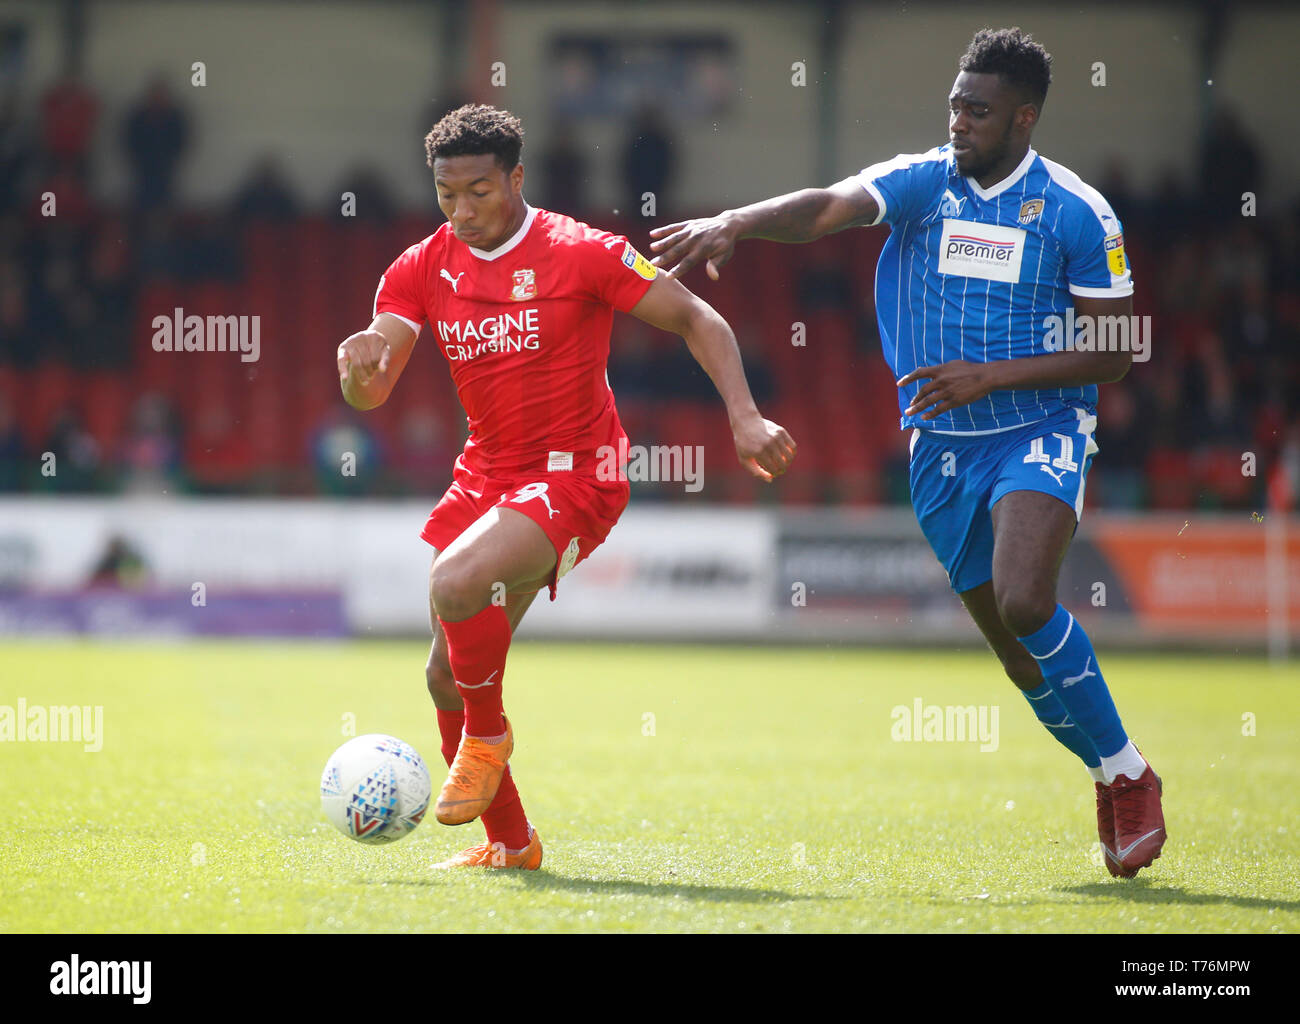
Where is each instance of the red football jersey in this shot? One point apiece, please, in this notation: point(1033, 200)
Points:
point(525, 328)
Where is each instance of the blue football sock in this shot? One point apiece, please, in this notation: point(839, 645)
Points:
point(1051, 712)
point(1069, 666)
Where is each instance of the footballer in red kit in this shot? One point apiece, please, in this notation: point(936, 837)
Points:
point(521, 302)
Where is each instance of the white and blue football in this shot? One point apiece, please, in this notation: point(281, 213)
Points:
point(375, 789)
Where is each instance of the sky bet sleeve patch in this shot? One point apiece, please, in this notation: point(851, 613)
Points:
point(1115, 255)
point(635, 261)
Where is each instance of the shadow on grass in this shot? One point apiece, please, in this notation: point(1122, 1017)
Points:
point(545, 880)
point(1150, 890)
point(697, 893)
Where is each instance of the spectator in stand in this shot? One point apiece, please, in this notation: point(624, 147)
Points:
point(16, 156)
point(266, 194)
point(157, 250)
point(156, 136)
point(207, 248)
point(1169, 212)
point(1116, 186)
point(151, 453)
point(1230, 166)
point(111, 291)
point(68, 114)
point(77, 465)
point(1122, 434)
point(648, 164)
point(824, 283)
point(345, 453)
point(563, 173)
point(72, 202)
point(56, 280)
point(371, 194)
point(632, 366)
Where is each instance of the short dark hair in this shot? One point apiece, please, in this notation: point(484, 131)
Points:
point(1013, 54)
point(476, 130)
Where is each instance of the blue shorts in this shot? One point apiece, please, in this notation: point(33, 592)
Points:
point(957, 479)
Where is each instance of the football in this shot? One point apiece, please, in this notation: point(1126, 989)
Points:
point(375, 789)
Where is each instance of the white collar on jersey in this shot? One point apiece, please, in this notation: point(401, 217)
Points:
point(996, 190)
point(529, 213)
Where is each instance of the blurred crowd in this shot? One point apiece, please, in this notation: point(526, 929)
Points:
point(1221, 284)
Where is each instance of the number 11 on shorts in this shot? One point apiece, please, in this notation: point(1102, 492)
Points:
point(1063, 461)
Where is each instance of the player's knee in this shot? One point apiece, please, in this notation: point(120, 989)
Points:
point(1024, 609)
point(456, 591)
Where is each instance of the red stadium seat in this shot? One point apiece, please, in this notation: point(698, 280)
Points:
point(106, 403)
point(1169, 479)
point(1218, 473)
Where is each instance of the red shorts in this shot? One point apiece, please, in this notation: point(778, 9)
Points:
point(576, 512)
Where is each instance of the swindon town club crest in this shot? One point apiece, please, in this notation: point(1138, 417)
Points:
point(524, 285)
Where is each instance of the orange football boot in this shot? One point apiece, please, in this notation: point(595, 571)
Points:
point(474, 777)
point(494, 855)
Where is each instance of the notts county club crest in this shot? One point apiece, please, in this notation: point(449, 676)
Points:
point(1030, 210)
point(524, 285)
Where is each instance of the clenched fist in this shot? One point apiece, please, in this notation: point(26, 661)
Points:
point(763, 447)
point(362, 356)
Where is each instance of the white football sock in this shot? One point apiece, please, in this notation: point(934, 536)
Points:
point(1098, 775)
point(1127, 761)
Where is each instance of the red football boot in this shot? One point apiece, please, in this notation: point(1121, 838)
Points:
point(1106, 830)
point(1139, 821)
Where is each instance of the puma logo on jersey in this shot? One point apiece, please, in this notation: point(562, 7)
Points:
point(454, 280)
point(1058, 477)
point(951, 205)
point(1085, 674)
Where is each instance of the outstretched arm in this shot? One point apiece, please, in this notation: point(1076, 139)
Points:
point(763, 447)
point(802, 216)
point(370, 361)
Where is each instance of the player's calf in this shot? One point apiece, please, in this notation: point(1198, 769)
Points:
point(442, 684)
point(1019, 667)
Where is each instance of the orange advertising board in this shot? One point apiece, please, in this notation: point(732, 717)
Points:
point(1203, 574)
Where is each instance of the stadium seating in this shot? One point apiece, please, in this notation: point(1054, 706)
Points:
point(804, 317)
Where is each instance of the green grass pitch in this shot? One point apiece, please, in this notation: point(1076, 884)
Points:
point(676, 788)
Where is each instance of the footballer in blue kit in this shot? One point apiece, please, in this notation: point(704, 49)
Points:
point(991, 248)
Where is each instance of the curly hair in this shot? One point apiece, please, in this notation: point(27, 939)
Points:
point(474, 130)
point(1013, 54)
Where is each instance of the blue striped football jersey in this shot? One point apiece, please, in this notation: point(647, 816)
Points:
point(972, 273)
